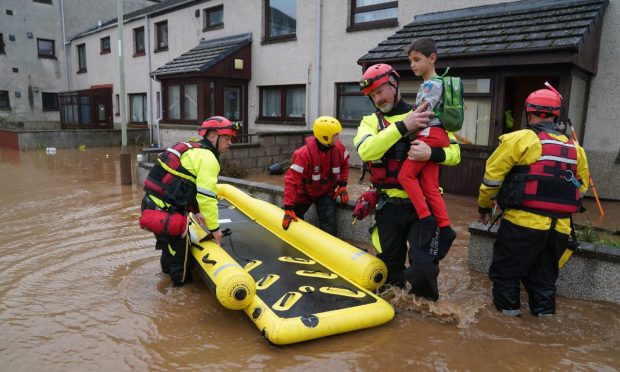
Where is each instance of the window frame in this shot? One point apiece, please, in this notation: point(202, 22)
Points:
point(282, 116)
point(205, 22)
point(102, 49)
point(158, 28)
point(181, 83)
point(144, 103)
point(488, 95)
point(50, 56)
point(359, 26)
point(81, 47)
point(43, 1)
point(8, 100)
point(50, 108)
point(138, 52)
point(267, 38)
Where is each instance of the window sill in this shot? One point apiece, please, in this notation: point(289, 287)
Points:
point(46, 56)
point(279, 39)
point(82, 71)
point(165, 49)
point(213, 27)
point(373, 25)
point(275, 121)
point(104, 52)
point(139, 54)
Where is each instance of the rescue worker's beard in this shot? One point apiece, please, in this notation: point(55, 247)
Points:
point(386, 107)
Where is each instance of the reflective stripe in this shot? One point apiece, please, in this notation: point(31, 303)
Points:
point(206, 192)
point(316, 177)
point(362, 140)
point(558, 159)
point(336, 170)
point(346, 154)
point(223, 267)
point(491, 183)
point(170, 149)
point(511, 312)
point(556, 142)
point(297, 168)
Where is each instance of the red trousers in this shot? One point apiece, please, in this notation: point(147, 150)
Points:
point(420, 179)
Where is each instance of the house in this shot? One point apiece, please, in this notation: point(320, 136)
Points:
point(276, 65)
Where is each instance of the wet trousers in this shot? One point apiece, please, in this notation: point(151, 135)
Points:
point(528, 256)
point(420, 179)
point(325, 210)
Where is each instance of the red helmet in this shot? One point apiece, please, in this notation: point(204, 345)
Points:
point(221, 124)
point(543, 102)
point(376, 75)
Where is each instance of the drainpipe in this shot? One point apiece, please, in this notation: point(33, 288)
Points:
point(149, 96)
point(318, 59)
point(64, 44)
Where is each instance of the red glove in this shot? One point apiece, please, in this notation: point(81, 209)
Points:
point(289, 215)
point(366, 204)
point(342, 192)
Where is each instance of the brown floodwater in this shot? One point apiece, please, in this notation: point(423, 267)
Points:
point(82, 290)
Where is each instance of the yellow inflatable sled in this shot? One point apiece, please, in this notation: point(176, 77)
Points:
point(295, 285)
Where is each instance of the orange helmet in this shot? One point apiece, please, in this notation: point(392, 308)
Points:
point(376, 75)
point(221, 124)
point(543, 103)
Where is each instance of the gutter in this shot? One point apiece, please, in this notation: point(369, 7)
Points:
point(64, 44)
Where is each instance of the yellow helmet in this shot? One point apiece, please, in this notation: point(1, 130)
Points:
point(324, 128)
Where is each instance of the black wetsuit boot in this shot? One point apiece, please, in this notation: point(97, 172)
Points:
point(423, 258)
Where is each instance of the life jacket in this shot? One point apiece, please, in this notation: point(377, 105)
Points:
point(169, 181)
point(550, 186)
point(384, 173)
point(316, 184)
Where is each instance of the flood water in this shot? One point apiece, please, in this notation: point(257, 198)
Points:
point(82, 290)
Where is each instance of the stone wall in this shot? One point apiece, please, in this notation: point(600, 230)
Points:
point(35, 139)
point(592, 273)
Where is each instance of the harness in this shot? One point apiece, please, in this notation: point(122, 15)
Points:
point(548, 186)
point(336, 156)
point(169, 181)
point(384, 173)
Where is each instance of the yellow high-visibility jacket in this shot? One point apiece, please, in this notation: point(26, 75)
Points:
point(523, 147)
point(372, 144)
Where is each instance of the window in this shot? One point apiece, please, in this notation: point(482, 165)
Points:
point(280, 19)
point(190, 108)
point(4, 100)
point(105, 45)
point(213, 18)
point(50, 101)
point(1, 44)
point(69, 109)
point(43, 1)
point(138, 41)
point(367, 14)
point(81, 51)
point(137, 108)
point(161, 36)
point(46, 48)
point(174, 102)
point(477, 122)
point(283, 102)
point(352, 103)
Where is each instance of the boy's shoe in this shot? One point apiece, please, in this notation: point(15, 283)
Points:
point(447, 235)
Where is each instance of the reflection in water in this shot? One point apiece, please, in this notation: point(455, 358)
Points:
point(82, 290)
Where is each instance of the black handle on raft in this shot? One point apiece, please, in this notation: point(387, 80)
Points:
point(206, 260)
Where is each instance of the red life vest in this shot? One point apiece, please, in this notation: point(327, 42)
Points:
point(169, 181)
point(314, 183)
point(384, 173)
point(550, 186)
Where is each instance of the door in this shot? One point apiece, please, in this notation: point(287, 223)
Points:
point(230, 102)
point(101, 108)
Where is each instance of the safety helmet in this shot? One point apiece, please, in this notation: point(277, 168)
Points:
point(324, 128)
point(376, 75)
point(544, 103)
point(221, 124)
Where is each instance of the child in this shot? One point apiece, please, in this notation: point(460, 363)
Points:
point(420, 179)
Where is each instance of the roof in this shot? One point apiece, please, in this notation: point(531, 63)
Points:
point(516, 27)
point(163, 7)
point(205, 55)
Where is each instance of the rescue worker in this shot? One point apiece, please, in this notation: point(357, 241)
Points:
point(183, 180)
point(319, 175)
point(538, 177)
point(383, 142)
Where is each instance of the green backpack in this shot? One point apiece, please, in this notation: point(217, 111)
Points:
point(451, 114)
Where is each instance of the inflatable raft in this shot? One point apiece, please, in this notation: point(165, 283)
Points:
point(295, 285)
